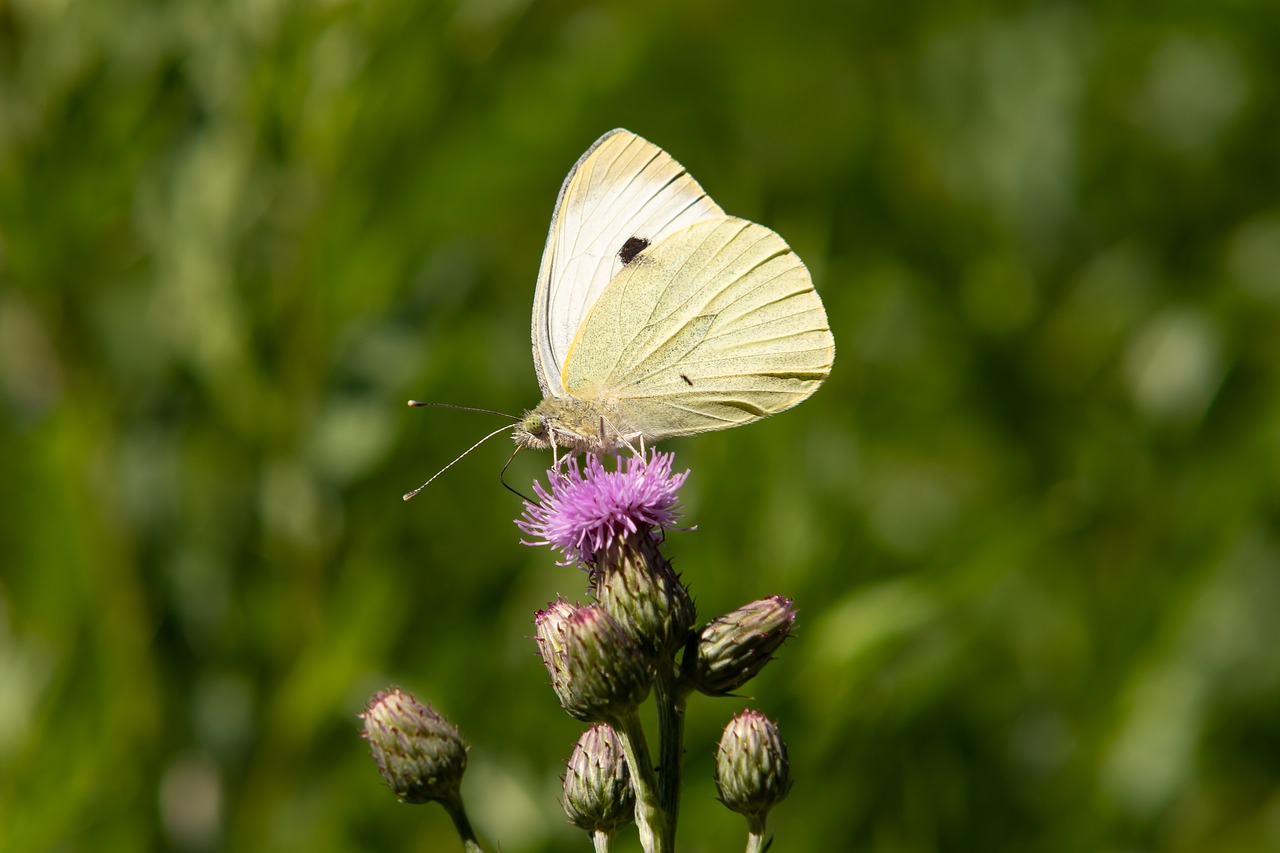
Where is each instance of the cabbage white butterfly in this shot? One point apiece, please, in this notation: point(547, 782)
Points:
point(656, 315)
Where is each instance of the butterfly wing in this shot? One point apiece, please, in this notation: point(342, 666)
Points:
point(623, 194)
point(715, 326)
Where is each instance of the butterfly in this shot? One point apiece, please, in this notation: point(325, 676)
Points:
point(657, 315)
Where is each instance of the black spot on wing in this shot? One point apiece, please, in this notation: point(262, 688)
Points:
point(631, 248)
point(687, 380)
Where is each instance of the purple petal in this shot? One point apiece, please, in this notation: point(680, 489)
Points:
point(590, 508)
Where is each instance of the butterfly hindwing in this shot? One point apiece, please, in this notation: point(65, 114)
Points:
point(716, 325)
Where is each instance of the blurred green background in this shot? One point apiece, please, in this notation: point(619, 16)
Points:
point(1030, 522)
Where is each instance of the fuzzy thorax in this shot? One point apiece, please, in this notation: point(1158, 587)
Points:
point(589, 426)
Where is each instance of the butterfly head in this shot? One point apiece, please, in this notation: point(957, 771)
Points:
point(534, 431)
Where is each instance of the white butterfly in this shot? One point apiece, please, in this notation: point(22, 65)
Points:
point(656, 315)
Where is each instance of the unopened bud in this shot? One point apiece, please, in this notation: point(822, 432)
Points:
point(597, 784)
point(752, 771)
point(419, 752)
point(597, 668)
point(733, 648)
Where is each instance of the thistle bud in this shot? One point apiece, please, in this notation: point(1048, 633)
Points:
point(549, 633)
point(597, 784)
point(597, 669)
point(419, 752)
point(733, 648)
point(637, 585)
point(752, 771)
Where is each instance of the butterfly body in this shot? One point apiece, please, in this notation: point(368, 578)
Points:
point(656, 315)
point(582, 425)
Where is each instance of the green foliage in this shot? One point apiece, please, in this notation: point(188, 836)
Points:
point(1030, 521)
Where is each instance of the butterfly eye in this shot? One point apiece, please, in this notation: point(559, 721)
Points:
point(535, 425)
point(631, 248)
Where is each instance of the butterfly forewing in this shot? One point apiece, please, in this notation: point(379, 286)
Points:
point(624, 195)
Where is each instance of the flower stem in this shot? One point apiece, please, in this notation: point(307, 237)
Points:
point(671, 700)
point(756, 842)
point(460, 822)
point(603, 841)
point(650, 818)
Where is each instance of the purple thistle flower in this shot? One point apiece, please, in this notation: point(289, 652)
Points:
point(591, 508)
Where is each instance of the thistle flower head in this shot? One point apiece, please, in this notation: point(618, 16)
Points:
point(589, 508)
point(639, 588)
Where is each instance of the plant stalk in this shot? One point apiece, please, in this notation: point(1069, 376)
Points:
point(650, 817)
point(671, 700)
point(460, 822)
point(756, 841)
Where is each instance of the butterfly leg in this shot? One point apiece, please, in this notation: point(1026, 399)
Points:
point(625, 441)
point(604, 432)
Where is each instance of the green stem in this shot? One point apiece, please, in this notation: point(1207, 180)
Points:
point(459, 814)
point(650, 818)
point(756, 842)
point(671, 700)
point(603, 841)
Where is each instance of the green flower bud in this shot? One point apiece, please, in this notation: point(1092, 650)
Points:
point(597, 669)
point(419, 753)
point(733, 648)
point(548, 632)
point(637, 585)
point(752, 771)
point(597, 784)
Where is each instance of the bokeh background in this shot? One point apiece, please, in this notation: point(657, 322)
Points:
point(1030, 521)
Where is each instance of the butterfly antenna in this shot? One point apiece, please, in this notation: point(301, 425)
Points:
point(459, 459)
point(419, 404)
